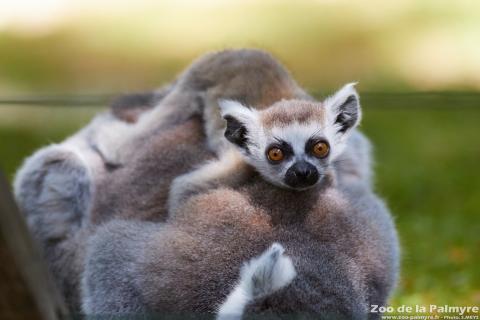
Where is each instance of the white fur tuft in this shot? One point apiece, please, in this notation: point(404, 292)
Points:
point(237, 110)
point(227, 106)
point(234, 305)
point(259, 277)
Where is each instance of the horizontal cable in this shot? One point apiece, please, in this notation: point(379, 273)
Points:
point(444, 99)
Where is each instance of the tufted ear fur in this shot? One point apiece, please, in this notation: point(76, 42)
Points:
point(343, 108)
point(241, 120)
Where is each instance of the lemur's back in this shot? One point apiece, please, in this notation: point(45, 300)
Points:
point(194, 131)
point(344, 253)
point(173, 146)
point(138, 188)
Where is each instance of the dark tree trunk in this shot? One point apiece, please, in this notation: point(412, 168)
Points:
point(26, 289)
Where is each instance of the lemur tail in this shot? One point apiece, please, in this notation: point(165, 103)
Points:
point(259, 277)
point(54, 189)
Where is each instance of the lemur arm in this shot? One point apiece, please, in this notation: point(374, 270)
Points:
point(230, 169)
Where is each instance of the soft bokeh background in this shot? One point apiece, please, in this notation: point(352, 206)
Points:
point(418, 63)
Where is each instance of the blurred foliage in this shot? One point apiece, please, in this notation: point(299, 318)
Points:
point(109, 45)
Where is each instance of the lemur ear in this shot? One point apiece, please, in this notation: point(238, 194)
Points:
point(240, 121)
point(343, 108)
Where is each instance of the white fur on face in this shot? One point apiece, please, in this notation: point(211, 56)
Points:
point(259, 277)
point(297, 134)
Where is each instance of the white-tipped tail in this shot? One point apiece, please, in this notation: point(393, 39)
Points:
point(259, 277)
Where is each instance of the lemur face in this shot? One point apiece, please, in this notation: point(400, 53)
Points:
point(293, 142)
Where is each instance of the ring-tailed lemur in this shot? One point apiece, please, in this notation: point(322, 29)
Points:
point(339, 238)
point(293, 144)
point(126, 159)
point(122, 164)
point(342, 244)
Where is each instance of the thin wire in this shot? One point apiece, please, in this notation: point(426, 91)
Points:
point(440, 100)
point(59, 100)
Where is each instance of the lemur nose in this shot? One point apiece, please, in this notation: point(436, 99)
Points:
point(301, 175)
point(303, 170)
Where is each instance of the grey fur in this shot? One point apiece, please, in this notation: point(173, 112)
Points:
point(54, 190)
point(290, 125)
point(342, 243)
point(116, 288)
point(129, 107)
point(136, 187)
point(259, 277)
point(341, 239)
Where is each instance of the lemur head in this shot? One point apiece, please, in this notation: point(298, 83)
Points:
point(293, 142)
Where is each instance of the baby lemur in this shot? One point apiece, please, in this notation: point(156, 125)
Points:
point(340, 245)
point(292, 144)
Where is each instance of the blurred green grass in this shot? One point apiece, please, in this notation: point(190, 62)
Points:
point(427, 168)
point(427, 160)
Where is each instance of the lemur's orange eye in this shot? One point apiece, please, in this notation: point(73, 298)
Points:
point(275, 154)
point(321, 149)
